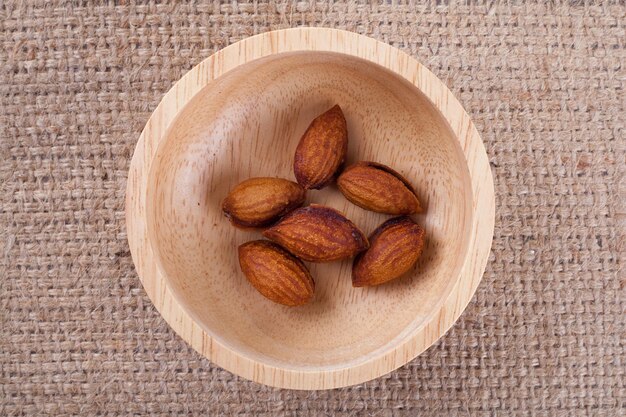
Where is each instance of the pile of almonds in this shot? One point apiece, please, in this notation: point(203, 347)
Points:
point(322, 234)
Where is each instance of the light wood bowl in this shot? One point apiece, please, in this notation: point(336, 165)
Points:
point(240, 114)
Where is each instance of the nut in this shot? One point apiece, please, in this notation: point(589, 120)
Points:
point(377, 187)
point(321, 150)
point(259, 202)
point(395, 247)
point(318, 234)
point(276, 273)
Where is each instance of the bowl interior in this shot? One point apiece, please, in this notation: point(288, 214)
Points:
point(247, 123)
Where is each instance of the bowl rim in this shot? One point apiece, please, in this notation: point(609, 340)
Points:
point(311, 40)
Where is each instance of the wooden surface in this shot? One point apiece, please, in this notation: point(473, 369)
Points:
point(216, 127)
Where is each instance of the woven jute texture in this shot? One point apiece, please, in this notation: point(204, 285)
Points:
point(544, 334)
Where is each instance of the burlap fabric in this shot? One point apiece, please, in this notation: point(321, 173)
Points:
point(546, 87)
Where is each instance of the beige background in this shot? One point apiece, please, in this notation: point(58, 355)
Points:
point(545, 85)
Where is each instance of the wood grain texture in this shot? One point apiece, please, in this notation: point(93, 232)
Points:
point(239, 114)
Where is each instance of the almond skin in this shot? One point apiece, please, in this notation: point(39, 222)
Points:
point(395, 246)
point(318, 234)
point(378, 188)
point(322, 149)
point(275, 273)
point(259, 202)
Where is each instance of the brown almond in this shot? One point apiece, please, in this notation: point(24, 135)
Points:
point(395, 247)
point(318, 234)
point(276, 273)
point(259, 202)
point(378, 188)
point(322, 149)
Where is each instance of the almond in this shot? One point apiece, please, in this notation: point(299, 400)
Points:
point(322, 150)
point(276, 273)
point(318, 234)
point(259, 202)
point(378, 188)
point(395, 247)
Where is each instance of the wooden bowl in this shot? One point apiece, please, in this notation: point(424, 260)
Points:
point(240, 114)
